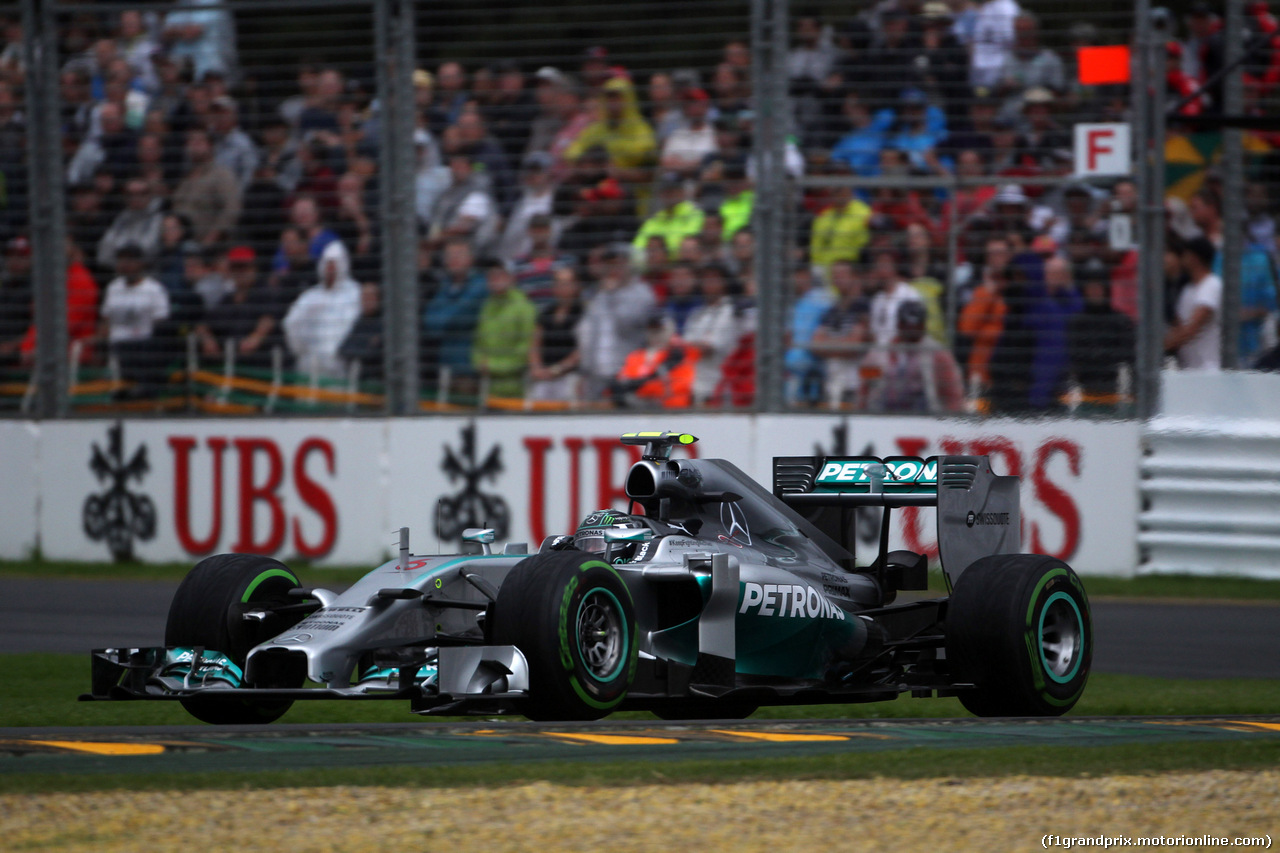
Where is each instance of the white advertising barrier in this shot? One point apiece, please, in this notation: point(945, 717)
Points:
point(333, 491)
point(19, 497)
point(174, 490)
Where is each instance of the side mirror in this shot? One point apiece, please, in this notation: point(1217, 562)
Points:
point(628, 534)
point(482, 535)
point(617, 536)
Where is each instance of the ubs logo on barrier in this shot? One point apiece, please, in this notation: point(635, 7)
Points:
point(117, 514)
point(471, 507)
point(267, 487)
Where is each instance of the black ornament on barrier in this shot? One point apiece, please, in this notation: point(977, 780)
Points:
point(117, 514)
point(471, 507)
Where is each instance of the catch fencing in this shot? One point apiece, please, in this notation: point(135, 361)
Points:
point(395, 207)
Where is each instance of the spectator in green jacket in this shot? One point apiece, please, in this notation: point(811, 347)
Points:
point(503, 334)
point(739, 199)
point(675, 219)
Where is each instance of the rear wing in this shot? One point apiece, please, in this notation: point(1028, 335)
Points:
point(978, 511)
point(856, 480)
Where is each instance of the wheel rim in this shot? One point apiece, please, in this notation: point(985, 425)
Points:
point(601, 634)
point(1061, 637)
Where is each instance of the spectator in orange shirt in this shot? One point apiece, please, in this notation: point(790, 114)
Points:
point(659, 373)
point(82, 308)
point(982, 320)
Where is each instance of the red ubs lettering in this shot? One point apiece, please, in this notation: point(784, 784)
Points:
point(1006, 459)
point(261, 468)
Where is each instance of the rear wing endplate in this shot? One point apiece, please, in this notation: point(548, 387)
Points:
point(978, 511)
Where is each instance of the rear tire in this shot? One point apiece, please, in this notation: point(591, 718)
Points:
point(206, 611)
point(1018, 627)
point(573, 618)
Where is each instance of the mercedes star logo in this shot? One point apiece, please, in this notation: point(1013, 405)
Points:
point(735, 522)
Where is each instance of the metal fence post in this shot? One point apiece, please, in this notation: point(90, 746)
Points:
point(1148, 143)
point(1155, 243)
point(769, 33)
point(393, 28)
point(1232, 186)
point(950, 293)
point(48, 218)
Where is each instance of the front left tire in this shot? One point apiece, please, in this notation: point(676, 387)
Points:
point(207, 611)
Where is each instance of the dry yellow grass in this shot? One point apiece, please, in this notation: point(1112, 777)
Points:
point(988, 815)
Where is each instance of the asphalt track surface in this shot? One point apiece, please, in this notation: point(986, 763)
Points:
point(182, 749)
point(1154, 638)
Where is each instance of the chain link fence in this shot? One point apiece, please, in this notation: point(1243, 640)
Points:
point(398, 207)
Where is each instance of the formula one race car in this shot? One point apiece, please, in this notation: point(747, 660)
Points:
point(713, 598)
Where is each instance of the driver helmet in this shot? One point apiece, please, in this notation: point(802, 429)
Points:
point(590, 534)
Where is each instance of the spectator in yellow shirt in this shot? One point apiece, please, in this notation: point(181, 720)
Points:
point(841, 231)
point(623, 132)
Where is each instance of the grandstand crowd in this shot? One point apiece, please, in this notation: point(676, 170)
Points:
point(586, 228)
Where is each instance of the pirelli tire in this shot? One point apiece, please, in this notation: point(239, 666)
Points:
point(573, 618)
point(1018, 627)
point(207, 611)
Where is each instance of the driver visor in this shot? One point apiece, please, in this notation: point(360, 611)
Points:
point(592, 542)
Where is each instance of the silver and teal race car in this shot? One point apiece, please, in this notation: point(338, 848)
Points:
point(709, 597)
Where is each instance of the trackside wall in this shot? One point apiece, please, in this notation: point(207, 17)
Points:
point(1211, 477)
point(333, 492)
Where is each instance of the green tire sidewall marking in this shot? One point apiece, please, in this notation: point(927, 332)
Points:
point(626, 638)
point(1030, 637)
point(566, 658)
point(599, 564)
point(1035, 593)
point(1044, 663)
point(264, 576)
point(562, 623)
